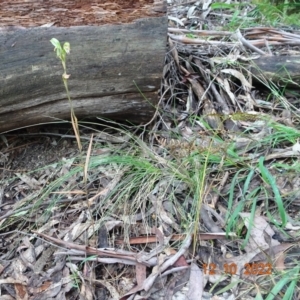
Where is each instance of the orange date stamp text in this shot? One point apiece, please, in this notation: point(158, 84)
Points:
point(231, 268)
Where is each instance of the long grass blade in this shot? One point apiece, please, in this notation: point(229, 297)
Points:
point(269, 179)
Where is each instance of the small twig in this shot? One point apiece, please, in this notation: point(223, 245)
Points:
point(187, 40)
point(187, 3)
point(173, 270)
point(201, 32)
point(170, 262)
point(156, 112)
point(213, 88)
point(220, 188)
point(248, 44)
point(268, 48)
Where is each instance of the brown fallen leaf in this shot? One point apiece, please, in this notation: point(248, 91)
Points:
point(175, 237)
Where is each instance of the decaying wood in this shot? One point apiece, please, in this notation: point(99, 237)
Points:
point(32, 13)
point(115, 72)
point(282, 70)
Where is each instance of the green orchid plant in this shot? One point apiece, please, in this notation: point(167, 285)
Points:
point(61, 53)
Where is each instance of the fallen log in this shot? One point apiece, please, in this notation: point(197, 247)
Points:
point(115, 68)
point(284, 71)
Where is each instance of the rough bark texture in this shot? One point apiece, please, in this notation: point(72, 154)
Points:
point(33, 13)
point(282, 70)
point(107, 64)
